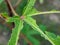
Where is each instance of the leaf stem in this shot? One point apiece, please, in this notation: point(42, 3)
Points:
point(40, 13)
point(36, 28)
point(13, 11)
point(44, 35)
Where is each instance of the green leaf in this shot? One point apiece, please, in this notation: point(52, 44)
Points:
point(42, 27)
point(15, 31)
point(32, 11)
point(1, 1)
point(29, 6)
point(53, 37)
point(33, 40)
point(33, 24)
point(32, 32)
point(12, 19)
point(28, 33)
point(26, 29)
point(21, 6)
point(4, 15)
point(46, 12)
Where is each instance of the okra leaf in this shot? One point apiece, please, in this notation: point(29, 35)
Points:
point(53, 37)
point(33, 40)
point(21, 7)
point(12, 19)
point(32, 23)
point(29, 7)
point(15, 31)
point(5, 15)
point(43, 27)
point(28, 33)
point(32, 11)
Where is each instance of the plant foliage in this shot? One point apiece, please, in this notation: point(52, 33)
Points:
point(27, 11)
